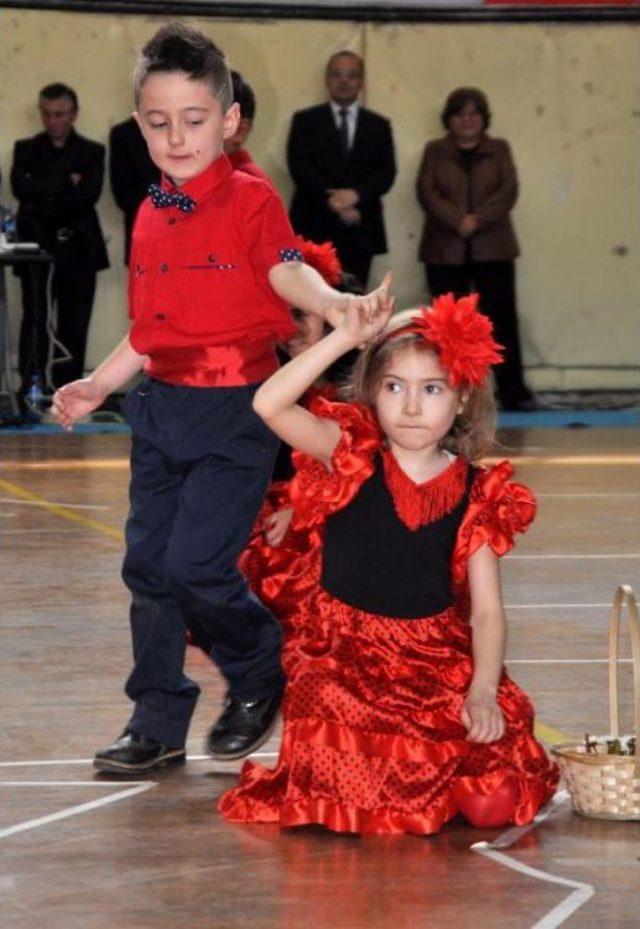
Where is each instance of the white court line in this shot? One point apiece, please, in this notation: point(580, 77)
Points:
point(578, 557)
point(555, 606)
point(70, 783)
point(16, 501)
point(565, 660)
point(138, 787)
point(559, 914)
point(636, 494)
point(231, 760)
point(508, 838)
point(581, 891)
point(48, 762)
point(555, 917)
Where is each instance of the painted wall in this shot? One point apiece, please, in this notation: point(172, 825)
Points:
point(566, 97)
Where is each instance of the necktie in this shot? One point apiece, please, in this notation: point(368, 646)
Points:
point(162, 198)
point(343, 129)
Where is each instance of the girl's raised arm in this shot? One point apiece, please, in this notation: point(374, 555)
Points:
point(276, 401)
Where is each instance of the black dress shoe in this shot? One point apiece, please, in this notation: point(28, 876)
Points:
point(243, 726)
point(135, 754)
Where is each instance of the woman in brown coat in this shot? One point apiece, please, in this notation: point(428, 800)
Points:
point(467, 185)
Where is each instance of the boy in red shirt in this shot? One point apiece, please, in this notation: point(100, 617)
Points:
point(213, 261)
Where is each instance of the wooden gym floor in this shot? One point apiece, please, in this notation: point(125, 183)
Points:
point(84, 852)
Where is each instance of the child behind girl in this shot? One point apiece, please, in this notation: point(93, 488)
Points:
point(276, 512)
point(398, 712)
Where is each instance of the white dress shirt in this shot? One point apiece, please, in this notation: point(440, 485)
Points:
point(352, 117)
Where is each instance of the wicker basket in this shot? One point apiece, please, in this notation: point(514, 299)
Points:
point(608, 786)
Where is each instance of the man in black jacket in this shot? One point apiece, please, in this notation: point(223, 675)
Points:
point(57, 178)
point(131, 171)
point(341, 158)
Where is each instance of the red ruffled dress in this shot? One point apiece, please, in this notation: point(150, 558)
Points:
point(372, 737)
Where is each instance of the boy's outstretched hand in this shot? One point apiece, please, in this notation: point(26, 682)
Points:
point(365, 317)
point(75, 400)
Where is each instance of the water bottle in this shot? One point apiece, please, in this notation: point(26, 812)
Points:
point(34, 397)
point(8, 224)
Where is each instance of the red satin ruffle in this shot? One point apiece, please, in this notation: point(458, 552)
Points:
point(498, 508)
point(315, 491)
point(372, 738)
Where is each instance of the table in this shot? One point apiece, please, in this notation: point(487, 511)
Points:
point(30, 261)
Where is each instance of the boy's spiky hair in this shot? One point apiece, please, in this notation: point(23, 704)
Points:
point(178, 47)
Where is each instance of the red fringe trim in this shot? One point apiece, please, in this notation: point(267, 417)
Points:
point(419, 504)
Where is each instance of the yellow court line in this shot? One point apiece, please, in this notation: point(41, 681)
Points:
point(550, 736)
point(62, 511)
point(67, 464)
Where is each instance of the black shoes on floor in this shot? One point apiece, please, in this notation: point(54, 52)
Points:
point(243, 726)
point(135, 754)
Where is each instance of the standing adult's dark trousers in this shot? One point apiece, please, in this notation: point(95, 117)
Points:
point(318, 162)
point(60, 215)
point(483, 182)
point(73, 296)
point(33, 345)
point(495, 282)
point(200, 465)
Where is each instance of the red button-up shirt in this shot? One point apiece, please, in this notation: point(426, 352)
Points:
point(200, 302)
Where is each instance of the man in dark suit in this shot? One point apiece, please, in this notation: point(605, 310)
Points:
point(131, 171)
point(341, 158)
point(57, 178)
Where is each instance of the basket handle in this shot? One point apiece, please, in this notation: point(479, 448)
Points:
point(624, 596)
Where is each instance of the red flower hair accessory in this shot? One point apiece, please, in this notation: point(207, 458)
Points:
point(462, 336)
point(323, 258)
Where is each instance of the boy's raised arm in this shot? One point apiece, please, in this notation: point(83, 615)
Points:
point(300, 285)
point(276, 401)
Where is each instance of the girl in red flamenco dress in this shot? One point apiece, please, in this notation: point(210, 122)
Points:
point(398, 713)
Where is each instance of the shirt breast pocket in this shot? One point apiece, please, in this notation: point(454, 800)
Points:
point(208, 287)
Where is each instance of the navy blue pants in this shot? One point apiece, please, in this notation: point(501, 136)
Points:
point(201, 461)
point(496, 283)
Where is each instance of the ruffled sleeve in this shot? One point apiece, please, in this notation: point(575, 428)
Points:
point(498, 508)
point(316, 491)
point(284, 576)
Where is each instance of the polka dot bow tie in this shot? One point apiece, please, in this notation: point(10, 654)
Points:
point(162, 198)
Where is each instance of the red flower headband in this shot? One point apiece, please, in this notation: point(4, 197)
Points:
point(323, 258)
point(462, 336)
